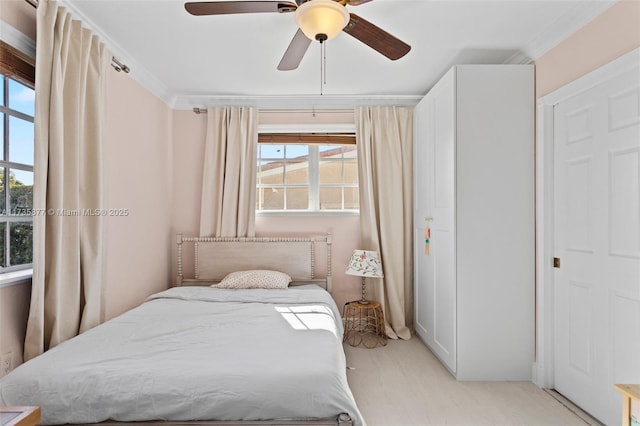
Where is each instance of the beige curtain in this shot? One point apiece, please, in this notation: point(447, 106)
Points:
point(229, 174)
point(66, 293)
point(385, 167)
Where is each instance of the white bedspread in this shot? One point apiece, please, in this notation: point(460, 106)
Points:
point(197, 353)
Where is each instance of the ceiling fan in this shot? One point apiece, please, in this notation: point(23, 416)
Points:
point(319, 20)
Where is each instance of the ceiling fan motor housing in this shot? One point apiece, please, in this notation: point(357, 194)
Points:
point(321, 19)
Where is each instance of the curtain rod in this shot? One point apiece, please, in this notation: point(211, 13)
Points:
point(116, 64)
point(290, 111)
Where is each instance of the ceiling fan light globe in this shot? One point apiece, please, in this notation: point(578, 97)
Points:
point(321, 17)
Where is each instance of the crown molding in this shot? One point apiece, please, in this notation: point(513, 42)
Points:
point(565, 26)
point(17, 39)
point(518, 58)
point(296, 102)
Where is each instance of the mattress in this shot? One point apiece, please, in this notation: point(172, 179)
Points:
point(197, 353)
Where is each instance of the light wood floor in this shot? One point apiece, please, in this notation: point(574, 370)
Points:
point(403, 384)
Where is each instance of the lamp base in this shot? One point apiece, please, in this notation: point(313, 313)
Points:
point(364, 300)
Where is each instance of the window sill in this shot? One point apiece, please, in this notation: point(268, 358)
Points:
point(16, 277)
point(307, 213)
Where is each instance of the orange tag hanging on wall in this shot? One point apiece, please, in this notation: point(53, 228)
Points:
point(427, 238)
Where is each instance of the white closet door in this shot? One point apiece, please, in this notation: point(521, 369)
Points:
point(443, 235)
point(435, 273)
point(597, 238)
point(423, 174)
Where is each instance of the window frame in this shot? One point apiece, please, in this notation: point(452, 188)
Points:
point(314, 163)
point(16, 66)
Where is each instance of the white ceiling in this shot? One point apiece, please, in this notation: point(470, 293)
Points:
point(207, 60)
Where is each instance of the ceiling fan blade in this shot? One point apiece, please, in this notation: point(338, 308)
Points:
point(376, 38)
point(228, 7)
point(295, 52)
point(357, 2)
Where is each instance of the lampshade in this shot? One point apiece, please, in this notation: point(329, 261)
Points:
point(324, 17)
point(365, 263)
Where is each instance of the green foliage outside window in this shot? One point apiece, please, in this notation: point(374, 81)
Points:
point(20, 233)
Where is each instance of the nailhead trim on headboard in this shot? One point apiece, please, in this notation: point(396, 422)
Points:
point(327, 239)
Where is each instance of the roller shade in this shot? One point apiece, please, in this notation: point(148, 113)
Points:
point(308, 138)
point(17, 65)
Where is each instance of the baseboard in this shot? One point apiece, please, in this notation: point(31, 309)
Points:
point(539, 376)
point(573, 408)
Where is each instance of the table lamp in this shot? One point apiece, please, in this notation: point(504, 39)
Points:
point(365, 263)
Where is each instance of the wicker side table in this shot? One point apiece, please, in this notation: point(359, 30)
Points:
point(364, 324)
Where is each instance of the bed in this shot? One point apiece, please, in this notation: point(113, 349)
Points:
point(206, 355)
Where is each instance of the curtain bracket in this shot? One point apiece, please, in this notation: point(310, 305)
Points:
point(119, 66)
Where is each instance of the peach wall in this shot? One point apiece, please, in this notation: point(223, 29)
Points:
point(139, 178)
point(607, 37)
point(189, 132)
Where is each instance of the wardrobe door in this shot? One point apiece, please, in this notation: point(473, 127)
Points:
point(423, 199)
point(434, 262)
point(442, 212)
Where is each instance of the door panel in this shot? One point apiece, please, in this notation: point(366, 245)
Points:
point(578, 198)
point(580, 342)
point(435, 288)
point(624, 226)
point(597, 237)
point(423, 264)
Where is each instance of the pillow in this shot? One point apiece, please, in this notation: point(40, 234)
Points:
point(255, 279)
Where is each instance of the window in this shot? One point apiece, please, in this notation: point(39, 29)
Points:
point(17, 105)
point(307, 172)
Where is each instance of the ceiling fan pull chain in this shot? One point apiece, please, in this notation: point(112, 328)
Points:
point(321, 66)
point(324, 68)
point(323, 57)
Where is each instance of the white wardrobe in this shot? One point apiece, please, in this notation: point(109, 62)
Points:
point(474, 190)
